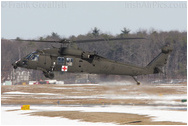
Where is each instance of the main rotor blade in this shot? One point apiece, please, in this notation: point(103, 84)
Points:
point(78, 41)
point(99, 40)
point(50, 41)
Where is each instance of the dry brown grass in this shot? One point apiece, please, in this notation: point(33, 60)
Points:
point(75, 101)
point(84, 90)
point(117, 118)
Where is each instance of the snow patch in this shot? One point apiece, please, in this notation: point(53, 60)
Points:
point(159, 113)
point(25, 93)
point(21, 118)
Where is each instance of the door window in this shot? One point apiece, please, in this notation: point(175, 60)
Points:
point(69, 61)
point(60, 60)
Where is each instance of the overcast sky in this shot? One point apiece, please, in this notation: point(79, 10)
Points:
point(30, 20)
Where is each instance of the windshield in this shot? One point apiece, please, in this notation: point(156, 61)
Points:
point(32, 56)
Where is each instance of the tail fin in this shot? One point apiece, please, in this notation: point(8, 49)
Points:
point(159, 61)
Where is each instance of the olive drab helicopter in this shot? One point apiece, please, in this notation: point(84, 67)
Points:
point(75, 60)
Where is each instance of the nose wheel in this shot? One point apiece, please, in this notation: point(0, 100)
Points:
point(49, 75)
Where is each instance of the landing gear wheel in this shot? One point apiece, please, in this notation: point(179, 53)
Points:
point(138, 83)
point(49, 75)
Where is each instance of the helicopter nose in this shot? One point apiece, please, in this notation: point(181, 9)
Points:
point(16, 64)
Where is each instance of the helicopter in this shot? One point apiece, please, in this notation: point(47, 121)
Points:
point(75, 60)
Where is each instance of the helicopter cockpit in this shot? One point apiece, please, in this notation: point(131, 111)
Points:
point(32, 56)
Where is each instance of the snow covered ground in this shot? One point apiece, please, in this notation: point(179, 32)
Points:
point(20, 118)
point(159, 113)
point(160, 105)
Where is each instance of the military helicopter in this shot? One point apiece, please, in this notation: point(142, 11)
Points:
point(75, 60)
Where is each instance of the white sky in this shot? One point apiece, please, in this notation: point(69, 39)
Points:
point(30, 20)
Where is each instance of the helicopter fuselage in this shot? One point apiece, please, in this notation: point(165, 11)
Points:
point(77, 61)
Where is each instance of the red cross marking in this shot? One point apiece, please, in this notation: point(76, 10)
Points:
point(64, 68)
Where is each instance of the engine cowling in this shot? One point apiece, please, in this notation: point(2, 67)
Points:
point(86, 55)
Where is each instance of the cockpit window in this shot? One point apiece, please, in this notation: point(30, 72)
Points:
point(28, 56)
point(33, 56)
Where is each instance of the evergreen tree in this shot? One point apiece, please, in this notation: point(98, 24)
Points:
point(95, 32)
